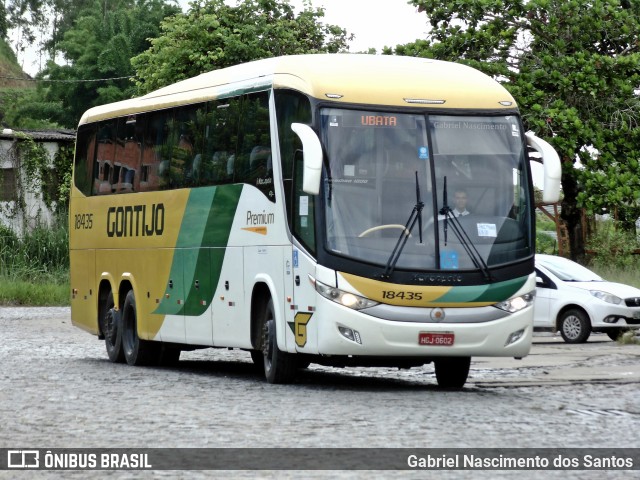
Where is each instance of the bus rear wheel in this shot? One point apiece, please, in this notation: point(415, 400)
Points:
point(136, 350)
point(279, 366)
point(111, 327)
point(452, 372)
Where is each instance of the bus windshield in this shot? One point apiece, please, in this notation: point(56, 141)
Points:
point(462, 178)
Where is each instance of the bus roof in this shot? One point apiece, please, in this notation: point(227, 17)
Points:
point(342, 78)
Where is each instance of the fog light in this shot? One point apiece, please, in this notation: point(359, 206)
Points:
point(611, 319)
point(514, 337)
point(349, 334)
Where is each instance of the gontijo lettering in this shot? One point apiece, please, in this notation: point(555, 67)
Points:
point(135, 220)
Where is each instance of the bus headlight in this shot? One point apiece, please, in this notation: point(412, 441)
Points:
point(516, 304)
point(350, 300)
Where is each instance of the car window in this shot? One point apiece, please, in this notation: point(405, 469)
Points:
point(543, 280)
point(568, 270)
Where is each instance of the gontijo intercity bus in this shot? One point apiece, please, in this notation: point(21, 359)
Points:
point(301, 208)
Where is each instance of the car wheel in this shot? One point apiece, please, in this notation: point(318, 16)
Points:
point(575, 326)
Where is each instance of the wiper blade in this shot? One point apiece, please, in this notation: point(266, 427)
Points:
point(416, 216)
point(461, 235)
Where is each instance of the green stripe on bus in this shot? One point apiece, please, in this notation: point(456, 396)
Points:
point(200, 249)
point(493, 293)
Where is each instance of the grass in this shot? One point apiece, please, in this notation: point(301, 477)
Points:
point(629, 276)
point(28, 293)
point(34, 268)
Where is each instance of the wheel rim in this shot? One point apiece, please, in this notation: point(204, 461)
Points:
point(572, 327)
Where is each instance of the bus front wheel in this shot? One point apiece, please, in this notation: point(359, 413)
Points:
point(279, 366)
point(452, 372)
point(136, 351)
point(111, 327)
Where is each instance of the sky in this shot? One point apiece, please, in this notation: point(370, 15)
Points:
point(375, 23)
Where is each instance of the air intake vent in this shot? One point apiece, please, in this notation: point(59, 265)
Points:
point(632, 302)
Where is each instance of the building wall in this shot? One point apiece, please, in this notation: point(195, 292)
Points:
point(36, 210)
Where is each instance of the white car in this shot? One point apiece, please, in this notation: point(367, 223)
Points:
point(576, 301)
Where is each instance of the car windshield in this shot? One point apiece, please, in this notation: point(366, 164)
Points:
point(387, 174)
point(568, 270)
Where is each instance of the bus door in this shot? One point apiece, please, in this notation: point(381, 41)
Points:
point(300, 310)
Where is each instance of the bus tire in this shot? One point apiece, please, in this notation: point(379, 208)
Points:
point(111, 328)
point(575, 326)
point(257, 357)
point(279, 366)
point(452, 372)
point(136, 351)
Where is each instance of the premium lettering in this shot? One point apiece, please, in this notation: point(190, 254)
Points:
point(263, 218)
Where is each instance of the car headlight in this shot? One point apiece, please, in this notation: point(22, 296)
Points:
point(516, 304)
point(607, 297)
point(356, 302)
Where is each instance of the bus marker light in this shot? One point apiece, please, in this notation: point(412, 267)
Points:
point(514, 337)
point(424, 101)
point(350, 334)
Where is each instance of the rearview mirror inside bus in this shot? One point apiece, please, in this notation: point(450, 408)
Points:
point(312, 152)
point(552, 168)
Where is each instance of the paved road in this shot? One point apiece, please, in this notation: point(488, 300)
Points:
point(57, 389)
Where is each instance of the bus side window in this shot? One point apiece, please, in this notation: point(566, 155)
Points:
point(85, 161)
point(303, 207)
point(293, 107)
point(220, 141)
point(105, 157)
point(156, 156)
point(253, 163)
point(128, 152)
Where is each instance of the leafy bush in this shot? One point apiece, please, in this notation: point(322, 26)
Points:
point(613, 247)
point(545, 243)
point(41, 255)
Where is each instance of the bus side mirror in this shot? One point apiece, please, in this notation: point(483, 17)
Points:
point(552, 168)
point(312, 155)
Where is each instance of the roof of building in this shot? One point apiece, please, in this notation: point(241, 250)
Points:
point(59, 135)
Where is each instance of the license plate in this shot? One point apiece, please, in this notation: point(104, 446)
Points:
point(436, 339)
point(636, 315)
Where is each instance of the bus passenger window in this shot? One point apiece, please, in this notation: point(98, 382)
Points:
point(253, 164)
point(86, 160)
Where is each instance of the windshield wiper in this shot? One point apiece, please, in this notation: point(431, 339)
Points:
point(461, 235)
point(416, 216)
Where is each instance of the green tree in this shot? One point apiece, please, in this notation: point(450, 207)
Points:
point(573, 66)
point(214, 35)
point(98, 49)
point(25, 17)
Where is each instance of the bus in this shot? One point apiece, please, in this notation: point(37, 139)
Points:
point(302, 209)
